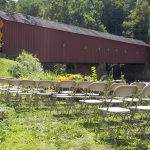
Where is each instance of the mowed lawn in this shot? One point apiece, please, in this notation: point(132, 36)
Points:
point(42, 130)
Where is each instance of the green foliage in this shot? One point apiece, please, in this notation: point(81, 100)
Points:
point(59, 69)
point(11, 6)
point(123, 80)
point(3, 4)
point(94, 73)
point(137, 24)
point(111, 76)
point(87, 78)
point(26, 65)
point(113, 15)
point(30, 7)
point(85, 13)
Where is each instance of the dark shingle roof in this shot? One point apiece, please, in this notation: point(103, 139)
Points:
point(17, 17)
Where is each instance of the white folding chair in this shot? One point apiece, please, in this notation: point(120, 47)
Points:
point(81, 89)
point(12, 93)
point(64, 95)
point(97, 94)
point(115, 100)
point(3, 88)
point(140, 86)
point(45, 93)
point(27, 92)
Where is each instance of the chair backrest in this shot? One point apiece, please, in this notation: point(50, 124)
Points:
point(27, 83)
point(83, 84)
point(146, 91)
point(37, 82)
point(3, 81)
point(46, 83)
point(140, 85)
point(14, 82)
point(115, 85)
point(125, 91)
point(66, 84)
point(98, 87)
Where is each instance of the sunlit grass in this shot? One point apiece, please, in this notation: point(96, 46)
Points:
point(4, 66)
point(39, 129)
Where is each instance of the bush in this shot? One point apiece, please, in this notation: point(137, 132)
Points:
point(26, 65)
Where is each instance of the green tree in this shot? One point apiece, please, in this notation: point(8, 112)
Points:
point(113, 15)
point(137, 24)
point(11, 6)
point(85, 13)
point(3, 4)
point(30, 7)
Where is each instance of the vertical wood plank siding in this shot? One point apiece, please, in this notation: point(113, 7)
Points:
point(56, 46)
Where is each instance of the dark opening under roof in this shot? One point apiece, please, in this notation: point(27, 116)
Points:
point(17, 17)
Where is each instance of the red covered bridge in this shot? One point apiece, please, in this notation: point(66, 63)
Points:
point(53, 42)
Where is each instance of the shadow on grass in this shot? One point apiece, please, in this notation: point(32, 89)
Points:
point(63, 115)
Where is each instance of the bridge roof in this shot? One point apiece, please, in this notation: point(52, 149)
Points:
point(26, 19)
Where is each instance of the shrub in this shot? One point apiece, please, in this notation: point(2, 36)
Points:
point(26, 65)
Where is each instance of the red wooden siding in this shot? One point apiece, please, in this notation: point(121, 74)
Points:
point(63, 47)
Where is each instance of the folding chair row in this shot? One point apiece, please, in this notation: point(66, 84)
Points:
point(127, 112)
point(99, 93)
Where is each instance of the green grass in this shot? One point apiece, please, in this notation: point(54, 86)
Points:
point(4, 65)
point(33, 129)
point(40, 130)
